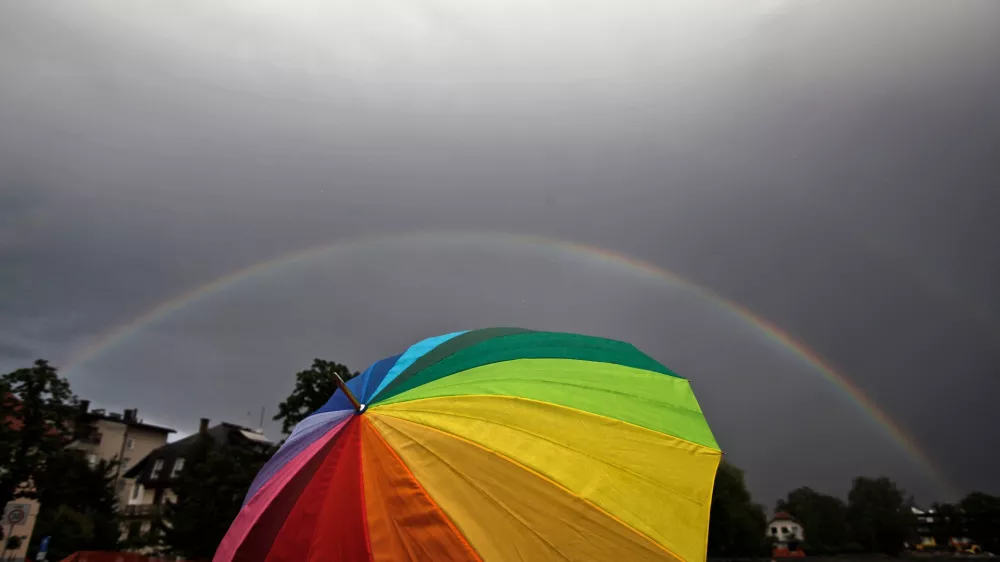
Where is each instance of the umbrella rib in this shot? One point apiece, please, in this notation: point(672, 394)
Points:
point(447, 519)
point(539, 475)
point(384, 408)
point(687, 412)
point(554, 442)
point(462, 476)
point(556, 382)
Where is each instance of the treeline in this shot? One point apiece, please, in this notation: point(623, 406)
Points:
point(876, 518)
point(80, 508)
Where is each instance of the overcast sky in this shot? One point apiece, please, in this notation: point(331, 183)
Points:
point(832, 166)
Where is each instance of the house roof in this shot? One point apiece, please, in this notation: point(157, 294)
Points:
point(783, 516)
point(131, 422)
point(223, 434)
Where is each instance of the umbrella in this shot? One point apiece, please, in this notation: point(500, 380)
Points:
point(496, 445)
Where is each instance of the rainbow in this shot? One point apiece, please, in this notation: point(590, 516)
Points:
point(896, 433)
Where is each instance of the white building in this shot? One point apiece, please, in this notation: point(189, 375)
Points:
point(784, 529)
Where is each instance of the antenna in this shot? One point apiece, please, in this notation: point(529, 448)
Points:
point(260, 426)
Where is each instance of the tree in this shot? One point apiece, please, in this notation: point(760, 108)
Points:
point(736, 526)
point(37, 415)
point(877, 516)
point(73, 493)
point(72, 531)
point(209, 492)
point(313, 388)
point(823, 517)
point(982, 519)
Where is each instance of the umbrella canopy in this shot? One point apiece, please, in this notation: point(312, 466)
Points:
point(496, 445)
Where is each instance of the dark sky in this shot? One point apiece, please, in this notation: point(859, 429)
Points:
point(832, 166)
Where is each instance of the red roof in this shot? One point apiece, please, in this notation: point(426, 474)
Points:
point(783, 515)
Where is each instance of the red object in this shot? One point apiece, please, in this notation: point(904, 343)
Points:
point(341, 513)
point(783, 552)
point(95, 556)
point(266, 529)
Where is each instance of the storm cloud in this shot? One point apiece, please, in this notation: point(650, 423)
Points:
point(831, 166)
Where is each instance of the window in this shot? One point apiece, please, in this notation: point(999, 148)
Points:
point(137, 491)
point(130, 443)
point(178, 467)
point(784, 530)
point(125, 462)
point(774, 530)
point(157, 467)
point(92, 460)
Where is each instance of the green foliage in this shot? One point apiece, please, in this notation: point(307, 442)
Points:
point(823, 517)
point(69, 489)
point(209, 492)
point(67, 478)
point(71, 530)
point(877, 517)
point(313, 388)
point(982, 519)
point(37, 414)
point(74, 530)
point(736, 527)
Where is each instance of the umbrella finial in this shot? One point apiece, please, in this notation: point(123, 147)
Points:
point(350, 395)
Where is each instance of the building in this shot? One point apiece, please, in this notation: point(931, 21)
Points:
point(784, 528)
point(100, 436)
point(787, 533)
point(924, 526)
point(941, 529)
point(113, 436)
point(155, 475)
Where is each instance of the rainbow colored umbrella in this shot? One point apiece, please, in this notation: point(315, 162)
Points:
point(495, 445)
